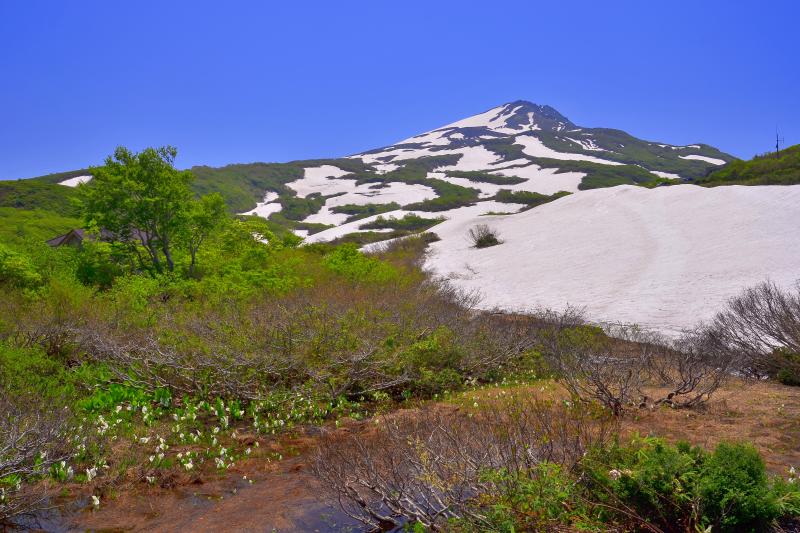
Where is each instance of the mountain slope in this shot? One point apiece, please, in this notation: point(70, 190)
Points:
point(608, 237)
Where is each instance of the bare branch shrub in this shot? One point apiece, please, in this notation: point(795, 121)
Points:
point(761, 328)
point(32, 438)
point(482, 236)
point(430, 465)
point(626, 366)
point(340, 338)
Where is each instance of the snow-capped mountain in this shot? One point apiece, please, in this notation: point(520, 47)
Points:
point(579, 211)
point(659, 256)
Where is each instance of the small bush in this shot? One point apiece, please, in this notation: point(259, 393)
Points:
point(17, 270)
point(482, 236)
point(734, 490)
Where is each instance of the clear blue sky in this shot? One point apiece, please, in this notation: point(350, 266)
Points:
point(275, 81)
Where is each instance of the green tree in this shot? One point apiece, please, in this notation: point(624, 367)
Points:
point(146, 204)
point(203, 216)
point(141, 198)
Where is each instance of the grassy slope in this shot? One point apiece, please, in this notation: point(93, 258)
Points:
point(19, 225)
point(34, 194)
point(766, 169)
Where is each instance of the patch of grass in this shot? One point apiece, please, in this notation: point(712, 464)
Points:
point(410, 222)
point(357, 212)
point(486, 177)
point(765, 169)
point(530, 199)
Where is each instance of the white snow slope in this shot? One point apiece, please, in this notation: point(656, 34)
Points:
point(662, 258)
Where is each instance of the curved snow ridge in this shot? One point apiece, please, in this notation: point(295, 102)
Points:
point(534, 147)
point(712, 160)
point(74, 182)
point(663, 258)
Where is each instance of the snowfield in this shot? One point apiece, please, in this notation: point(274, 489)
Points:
point(663, 258)
point(74, 182)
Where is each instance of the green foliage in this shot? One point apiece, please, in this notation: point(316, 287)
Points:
point(410, 223)
point(99, 264)
point(296, 208)
point(17, 270)
point(766, 169)
point(734, 490)
point(672, 487)
point(347, 261)
point(538, 501)
point(146, 205)
point(23, 226)
point(25, 371)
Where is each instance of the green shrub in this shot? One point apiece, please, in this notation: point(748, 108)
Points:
point(482, 236)
point(734, 490)
point(410, 222)
point(17, 270)
point(31, 371)
point(788, 367)
point(347, 261)
point(537, 502)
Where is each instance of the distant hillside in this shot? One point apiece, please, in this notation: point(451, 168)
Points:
point(38, 194)
point(766, 169)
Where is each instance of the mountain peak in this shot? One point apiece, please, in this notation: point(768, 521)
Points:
point(513, 118)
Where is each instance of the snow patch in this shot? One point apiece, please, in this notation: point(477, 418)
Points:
point(267, 207)
point(711, 160)
point(74, 182)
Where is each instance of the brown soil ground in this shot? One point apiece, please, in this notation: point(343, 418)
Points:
point(285, 497)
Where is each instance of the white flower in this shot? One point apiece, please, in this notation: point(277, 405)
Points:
point(95, 501)
point(144, 440)
point(91, 473)
point(615, 474)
